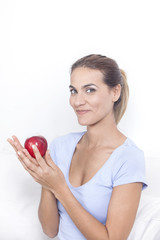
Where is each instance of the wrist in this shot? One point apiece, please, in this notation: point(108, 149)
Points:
point(62, 193)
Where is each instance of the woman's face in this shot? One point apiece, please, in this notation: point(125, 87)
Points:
point(91, 98)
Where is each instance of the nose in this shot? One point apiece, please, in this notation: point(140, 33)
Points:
point(79, 100)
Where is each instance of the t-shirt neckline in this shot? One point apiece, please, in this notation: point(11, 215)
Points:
point(94, 176)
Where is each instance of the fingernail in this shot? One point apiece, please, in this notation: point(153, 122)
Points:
point(33, 146)
point(18, 153)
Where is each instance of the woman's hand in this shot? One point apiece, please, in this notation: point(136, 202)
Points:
point(43, 170)
point(15, 143)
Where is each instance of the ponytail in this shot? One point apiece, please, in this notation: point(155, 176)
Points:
point(121, 105)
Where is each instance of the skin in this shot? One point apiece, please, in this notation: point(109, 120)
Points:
point(92, 102)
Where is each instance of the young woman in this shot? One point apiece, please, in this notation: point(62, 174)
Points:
point(92, 180)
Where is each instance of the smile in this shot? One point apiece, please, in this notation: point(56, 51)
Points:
point(81, 112)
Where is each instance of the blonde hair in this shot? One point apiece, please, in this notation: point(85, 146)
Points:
point(113, 76)
point(120, 108)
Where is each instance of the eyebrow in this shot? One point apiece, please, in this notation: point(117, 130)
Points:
point(87, 85)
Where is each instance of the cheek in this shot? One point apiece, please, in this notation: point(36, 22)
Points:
point(98, 102)
point(108, 104)
point(103, 103)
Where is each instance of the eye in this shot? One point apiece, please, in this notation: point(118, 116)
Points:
point(90, 90)
point(72, 91)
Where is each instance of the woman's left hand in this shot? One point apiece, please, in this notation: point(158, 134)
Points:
point(47, 173)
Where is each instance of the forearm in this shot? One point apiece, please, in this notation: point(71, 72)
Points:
point(89, 226)
point(48, 213)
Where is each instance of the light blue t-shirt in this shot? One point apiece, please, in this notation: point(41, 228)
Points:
point(125, 165)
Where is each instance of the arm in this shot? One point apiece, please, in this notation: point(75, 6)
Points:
point(121, 213)
point(122, 210)
point(48, 213)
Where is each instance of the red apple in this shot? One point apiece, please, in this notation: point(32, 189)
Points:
point(39, 141)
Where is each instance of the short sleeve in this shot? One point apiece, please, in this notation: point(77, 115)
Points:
point(130, 167)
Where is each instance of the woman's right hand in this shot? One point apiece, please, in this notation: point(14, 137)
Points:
point(15, 143)
point(43, 170)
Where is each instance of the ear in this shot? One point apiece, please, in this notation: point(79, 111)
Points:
point(116, 92)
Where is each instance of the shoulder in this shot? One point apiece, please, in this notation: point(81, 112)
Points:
point(129, 165)
point(61, 147)
point(67, 139)
point(128, 156)
point(130, 151)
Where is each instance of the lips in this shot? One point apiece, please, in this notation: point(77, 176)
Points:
point(81, 112)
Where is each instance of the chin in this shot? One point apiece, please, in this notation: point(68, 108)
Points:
point(82, 123)
point(86, 123)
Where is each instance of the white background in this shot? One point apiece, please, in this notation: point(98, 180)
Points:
point(39, 41)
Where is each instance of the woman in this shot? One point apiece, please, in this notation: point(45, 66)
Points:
point(92, 180)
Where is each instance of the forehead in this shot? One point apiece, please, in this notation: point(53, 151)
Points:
point(81, 76)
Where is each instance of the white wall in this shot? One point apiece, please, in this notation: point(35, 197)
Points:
point(39, 40)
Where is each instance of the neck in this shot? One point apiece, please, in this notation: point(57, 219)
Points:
point(103, 133)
